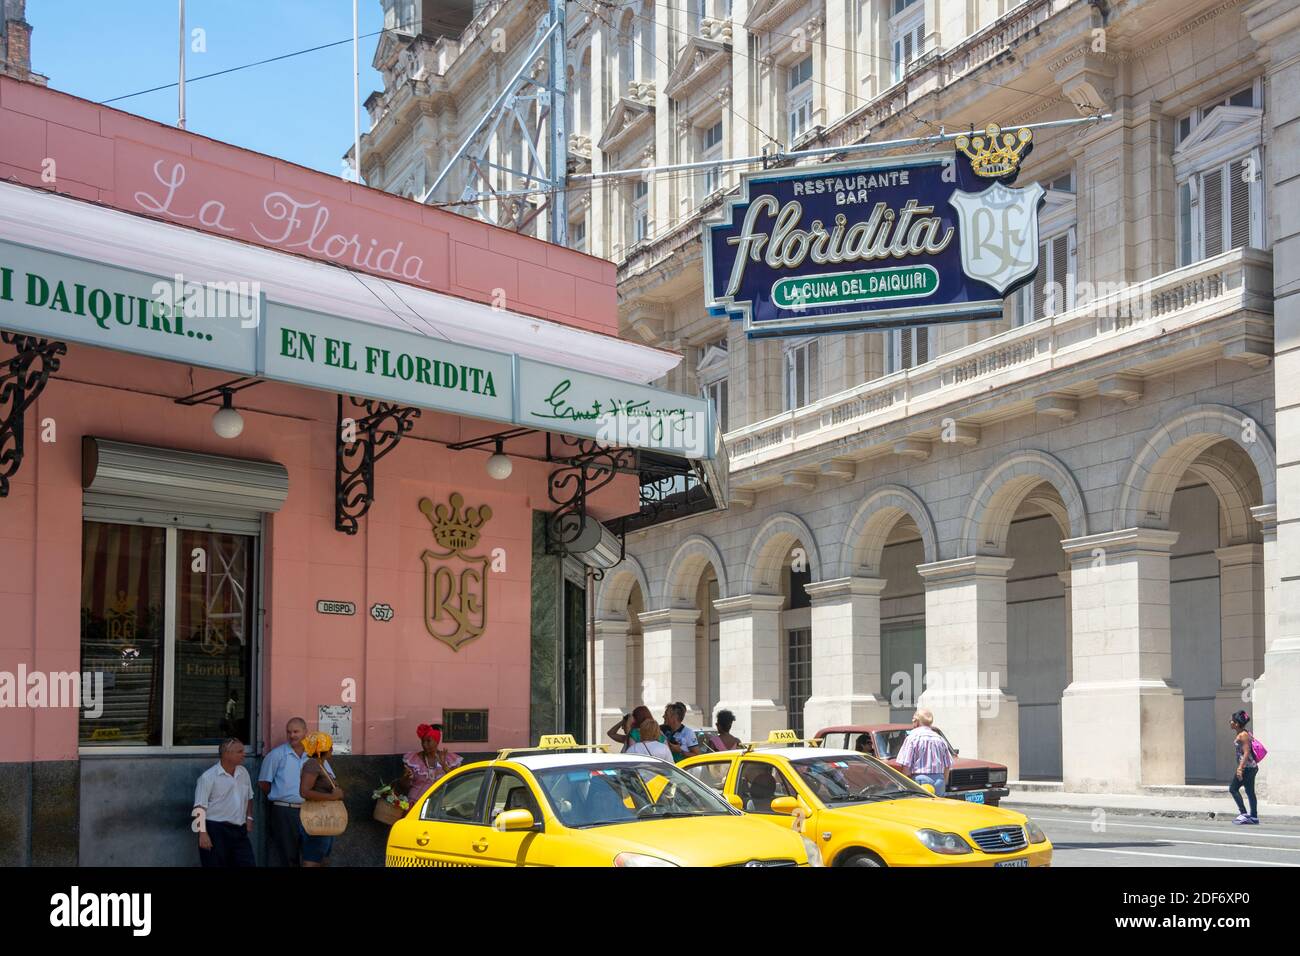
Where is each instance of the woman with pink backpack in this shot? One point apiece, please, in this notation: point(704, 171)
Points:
point(1249, 753)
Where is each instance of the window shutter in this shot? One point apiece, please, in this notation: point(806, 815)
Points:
point(1212, 211)
point(1060, 273)
point(1038, 294)
point(905, 348)
point(1184, 224)
point(922, 346)
point(814, 371)
point(1239, 204)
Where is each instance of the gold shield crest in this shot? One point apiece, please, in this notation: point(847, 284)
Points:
point(455, 583)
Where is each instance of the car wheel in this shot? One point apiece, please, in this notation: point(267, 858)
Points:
point(863, 859)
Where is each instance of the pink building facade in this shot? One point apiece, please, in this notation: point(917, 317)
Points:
point(346, 556)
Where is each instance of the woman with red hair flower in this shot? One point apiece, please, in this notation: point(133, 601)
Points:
point(421, 768)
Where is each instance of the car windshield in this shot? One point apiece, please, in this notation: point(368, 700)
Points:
point(594, 796)
point(853, 779)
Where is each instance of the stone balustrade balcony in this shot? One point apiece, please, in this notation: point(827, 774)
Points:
point(1220, 308)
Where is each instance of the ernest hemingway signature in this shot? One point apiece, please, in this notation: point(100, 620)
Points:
point(560, 408)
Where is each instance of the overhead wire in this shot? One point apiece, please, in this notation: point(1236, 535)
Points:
point(866, 53)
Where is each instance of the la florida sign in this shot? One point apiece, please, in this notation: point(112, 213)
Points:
point(886, 243)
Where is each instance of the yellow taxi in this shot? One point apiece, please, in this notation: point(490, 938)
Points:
point(861, 812)
point(562, 804)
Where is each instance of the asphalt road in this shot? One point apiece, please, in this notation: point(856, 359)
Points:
point(1097, 838)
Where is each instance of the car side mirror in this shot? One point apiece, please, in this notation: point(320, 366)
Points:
point(784, 805)
point(735, 801)
point(509, 820)
point(928, 788)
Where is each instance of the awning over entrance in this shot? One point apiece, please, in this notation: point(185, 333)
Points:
point(75, 271)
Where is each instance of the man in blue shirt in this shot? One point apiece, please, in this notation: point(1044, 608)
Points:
point(281, 780)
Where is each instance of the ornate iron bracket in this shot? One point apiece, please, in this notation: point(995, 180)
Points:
point(587, 466)
point(373, 435)
point(22, 379)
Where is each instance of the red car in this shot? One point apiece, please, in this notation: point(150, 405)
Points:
point(977, 781)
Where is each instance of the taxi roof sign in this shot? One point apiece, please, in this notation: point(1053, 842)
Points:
point(782, 738)
point(552, 743)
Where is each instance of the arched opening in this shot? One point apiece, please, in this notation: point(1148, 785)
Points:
point(1215, 602)
point(795, 637)
point(902, 619)
point(1027, 505)
point(696, 579)
point(1038, 628)
point(1199, 475)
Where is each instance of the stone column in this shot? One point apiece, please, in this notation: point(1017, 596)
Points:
point(749, 662)
point(1121, 716)
point(1241, 611)
point(668, 648)
point(1276, 28)
point(610, 665)
point(1065, 579)
point(845, 654)
point(966, 657)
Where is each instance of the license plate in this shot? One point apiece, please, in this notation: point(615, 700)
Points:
point(1021, 862)
point(977, 797)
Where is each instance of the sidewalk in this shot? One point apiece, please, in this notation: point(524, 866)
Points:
point(1194, 803)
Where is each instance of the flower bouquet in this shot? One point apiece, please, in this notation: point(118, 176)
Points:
point(390, 806)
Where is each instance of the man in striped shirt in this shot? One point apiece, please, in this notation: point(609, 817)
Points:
point(925, 754)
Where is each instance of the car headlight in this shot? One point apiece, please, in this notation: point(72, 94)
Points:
point(997, 777)
point(1034, 832)
point(640, 859)
point(940, 842)
point(813, 851)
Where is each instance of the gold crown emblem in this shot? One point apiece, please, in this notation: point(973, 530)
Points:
point(453, 529)
point(994, 154)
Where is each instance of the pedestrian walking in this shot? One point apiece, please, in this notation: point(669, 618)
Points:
point(1243, 743)
point(280, 781)
point(224, 794)
point(925, 754)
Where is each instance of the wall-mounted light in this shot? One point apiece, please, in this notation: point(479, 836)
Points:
point(499, 464)
point(227, 422)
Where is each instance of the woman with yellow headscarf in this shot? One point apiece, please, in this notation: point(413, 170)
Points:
point(317, 784)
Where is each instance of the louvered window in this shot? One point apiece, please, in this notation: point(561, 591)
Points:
point(1218, 209)
point(907, 30)
point(802, 374)
point(1052, 290)
point(907, 348)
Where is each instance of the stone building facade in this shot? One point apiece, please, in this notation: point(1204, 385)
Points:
point(1074, 528)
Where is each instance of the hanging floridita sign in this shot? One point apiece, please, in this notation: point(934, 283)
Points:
point(917, 240)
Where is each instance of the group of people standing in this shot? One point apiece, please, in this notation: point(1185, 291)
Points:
point(671, 740)
point(295, 772)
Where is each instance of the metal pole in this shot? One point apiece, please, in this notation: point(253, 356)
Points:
point(506, 91)
point(827, 150)
point(559, 158)
point(356, 97)
point(180, 107)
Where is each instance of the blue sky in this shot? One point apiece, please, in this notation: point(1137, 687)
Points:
point(298, 109)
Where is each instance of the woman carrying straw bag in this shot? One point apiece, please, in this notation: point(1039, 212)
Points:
point(323, 815)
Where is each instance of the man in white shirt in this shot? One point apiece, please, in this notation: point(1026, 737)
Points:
point(280, 780)
point(224, 794)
